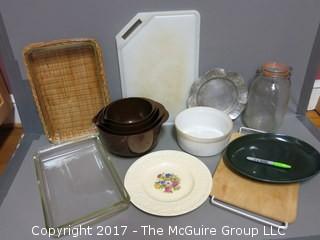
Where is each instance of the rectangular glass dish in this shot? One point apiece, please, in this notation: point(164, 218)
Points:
point(78, 184)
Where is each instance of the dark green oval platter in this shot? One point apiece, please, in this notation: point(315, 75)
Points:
point(304, 159)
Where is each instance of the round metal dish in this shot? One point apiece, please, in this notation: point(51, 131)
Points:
point(304, 159)
point(219, 89)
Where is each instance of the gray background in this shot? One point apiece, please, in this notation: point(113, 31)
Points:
point(238, 35)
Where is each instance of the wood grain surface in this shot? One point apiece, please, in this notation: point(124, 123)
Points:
point(314, 117)
point(9, 139)
point(275, 201)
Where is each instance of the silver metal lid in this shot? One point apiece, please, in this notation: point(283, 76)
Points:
point(219, 89)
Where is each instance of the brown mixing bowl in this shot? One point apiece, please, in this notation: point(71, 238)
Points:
point(134, 127)
point(127, 111)
point(125, 129)
point(133, 145)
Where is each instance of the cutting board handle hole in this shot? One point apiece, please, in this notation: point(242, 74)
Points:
point(131, 29)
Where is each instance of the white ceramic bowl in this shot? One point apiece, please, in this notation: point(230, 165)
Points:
point(203, 131)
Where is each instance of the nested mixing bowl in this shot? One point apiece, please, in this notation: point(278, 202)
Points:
point(130, 137)
point(128, 111)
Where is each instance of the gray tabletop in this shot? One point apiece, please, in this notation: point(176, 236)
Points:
point(21, 210)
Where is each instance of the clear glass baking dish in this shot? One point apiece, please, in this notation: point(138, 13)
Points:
point(78, 184)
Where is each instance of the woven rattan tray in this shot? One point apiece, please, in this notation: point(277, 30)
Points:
point(68, 86)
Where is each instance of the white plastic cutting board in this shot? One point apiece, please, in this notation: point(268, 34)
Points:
point(159, 57)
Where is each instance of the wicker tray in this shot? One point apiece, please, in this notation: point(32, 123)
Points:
point(68, 86)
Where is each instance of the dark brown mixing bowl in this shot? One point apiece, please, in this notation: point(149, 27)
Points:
point(129, 111)
point(137, 128)
point(133, 145)
point(133, 126)
point(124, 129)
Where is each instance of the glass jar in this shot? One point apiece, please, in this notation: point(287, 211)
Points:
point(268, 97)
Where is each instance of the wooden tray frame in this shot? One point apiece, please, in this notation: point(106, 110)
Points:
point(68, 85)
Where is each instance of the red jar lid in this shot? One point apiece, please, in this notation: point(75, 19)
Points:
point(276, 70)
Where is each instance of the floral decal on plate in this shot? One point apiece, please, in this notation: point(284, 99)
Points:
point(167, 182)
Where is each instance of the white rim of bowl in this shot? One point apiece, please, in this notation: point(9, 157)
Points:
point(204, 139)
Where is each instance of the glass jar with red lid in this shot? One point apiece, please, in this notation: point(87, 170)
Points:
point(268, 97)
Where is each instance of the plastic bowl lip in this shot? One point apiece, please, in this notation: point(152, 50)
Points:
point(155, 125)
point(112, 105)
point(203, 139)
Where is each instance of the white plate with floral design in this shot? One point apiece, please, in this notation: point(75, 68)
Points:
point(168, 183)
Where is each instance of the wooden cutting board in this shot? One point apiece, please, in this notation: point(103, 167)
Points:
point(275, 201)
